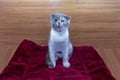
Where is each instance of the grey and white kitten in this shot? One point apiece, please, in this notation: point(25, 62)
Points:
point(59, 44)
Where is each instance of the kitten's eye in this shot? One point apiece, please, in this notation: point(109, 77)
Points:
point(55, 20)
point(62, 20)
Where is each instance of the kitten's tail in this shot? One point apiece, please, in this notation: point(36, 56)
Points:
point(48, 61)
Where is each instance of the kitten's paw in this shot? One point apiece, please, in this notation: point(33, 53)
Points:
point(50, 65)
point(66, 64)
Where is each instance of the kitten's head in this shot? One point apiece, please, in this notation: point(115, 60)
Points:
point(59, 22)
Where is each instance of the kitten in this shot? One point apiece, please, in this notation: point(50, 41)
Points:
point(59, 43)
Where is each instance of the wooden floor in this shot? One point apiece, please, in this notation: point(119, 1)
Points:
point(94, 22)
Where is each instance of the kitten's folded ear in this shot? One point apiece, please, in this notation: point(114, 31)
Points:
point(68, 18)
point(52, 16)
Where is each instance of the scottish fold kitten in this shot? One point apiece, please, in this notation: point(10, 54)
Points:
point(59, 44)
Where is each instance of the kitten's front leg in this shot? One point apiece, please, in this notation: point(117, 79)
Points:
point(52, 56)
point(66, 62)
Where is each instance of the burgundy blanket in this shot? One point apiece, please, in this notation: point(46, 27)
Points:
point(29, 63)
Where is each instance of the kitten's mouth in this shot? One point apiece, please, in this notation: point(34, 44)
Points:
point(59, 29)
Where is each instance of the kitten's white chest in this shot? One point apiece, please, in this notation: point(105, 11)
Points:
point(55, 36)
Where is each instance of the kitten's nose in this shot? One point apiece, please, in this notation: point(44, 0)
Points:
point(59, 23)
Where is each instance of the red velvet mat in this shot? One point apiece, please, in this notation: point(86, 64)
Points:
point(29, 63)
